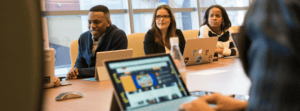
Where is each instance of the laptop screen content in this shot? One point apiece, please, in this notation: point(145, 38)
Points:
point(144, 81)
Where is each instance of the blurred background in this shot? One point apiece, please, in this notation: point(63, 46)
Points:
point(65, 20)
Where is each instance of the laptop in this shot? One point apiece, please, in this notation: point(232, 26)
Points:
point(199, 50)
point(147, 83)
point(236, 39)
point(101, 72)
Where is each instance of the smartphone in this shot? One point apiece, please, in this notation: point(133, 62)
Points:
point(64, 84)
point(236, 96)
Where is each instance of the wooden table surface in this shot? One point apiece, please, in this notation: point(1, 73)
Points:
point(229, 79)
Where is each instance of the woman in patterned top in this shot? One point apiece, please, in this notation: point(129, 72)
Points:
point(217, 24)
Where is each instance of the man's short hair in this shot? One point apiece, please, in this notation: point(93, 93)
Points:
point(101, 8)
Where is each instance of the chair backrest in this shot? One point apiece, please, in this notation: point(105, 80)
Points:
point(136, 42)
point(74, 51)
point(235, 29)
point(190, 34)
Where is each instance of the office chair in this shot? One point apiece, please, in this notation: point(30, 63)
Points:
point(190, 34)
point(136, 42)
point(74, 51)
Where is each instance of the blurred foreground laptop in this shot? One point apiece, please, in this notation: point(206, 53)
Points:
point(199, 50)
point(147, 83)
point(101, 72)
point(22, 64)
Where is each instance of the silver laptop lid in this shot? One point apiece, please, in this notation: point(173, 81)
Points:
point(100, 72)
point(111, 55)
point(199, 50)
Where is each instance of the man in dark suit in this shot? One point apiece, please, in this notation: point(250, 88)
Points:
point(102, 36)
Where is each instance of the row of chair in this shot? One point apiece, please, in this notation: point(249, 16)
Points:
point(135, 42)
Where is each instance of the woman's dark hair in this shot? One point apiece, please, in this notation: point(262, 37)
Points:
point(171, 29)
point(226, 24)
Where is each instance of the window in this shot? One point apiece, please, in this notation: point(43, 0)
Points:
point(63, 27)
point(225, 3)
point(67, 19)
point(184, 11)
point(236, 9)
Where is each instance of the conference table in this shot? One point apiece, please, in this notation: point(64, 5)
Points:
point(225, 76)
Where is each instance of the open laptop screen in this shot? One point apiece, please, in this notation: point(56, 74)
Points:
point(236, 39)
point(147, 80)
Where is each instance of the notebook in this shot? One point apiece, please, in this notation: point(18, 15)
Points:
point(101, 73)
point(199, 50)
point(147, 83)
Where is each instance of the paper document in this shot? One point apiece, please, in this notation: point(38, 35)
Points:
point(89, 79)
point(208, 72)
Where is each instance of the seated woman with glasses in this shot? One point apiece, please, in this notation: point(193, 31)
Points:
point(217, 24)
point(157, 39)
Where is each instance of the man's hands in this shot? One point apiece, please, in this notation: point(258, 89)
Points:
point(223, 103)
point(196, 105)
point(73, 73)
point(56, 81)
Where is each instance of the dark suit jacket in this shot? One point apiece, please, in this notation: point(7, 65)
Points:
point(114, 39)
point(151, 47)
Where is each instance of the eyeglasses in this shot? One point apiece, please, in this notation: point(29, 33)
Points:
point(162, 16)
